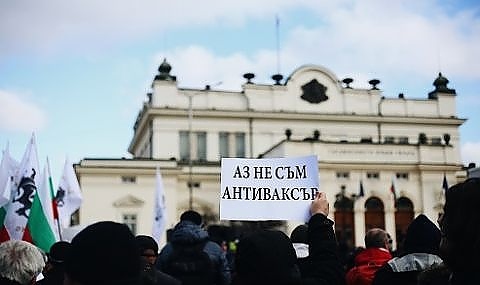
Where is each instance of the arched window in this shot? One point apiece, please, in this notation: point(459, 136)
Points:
point(403, 217)
point(374, 214)
point(344, 221)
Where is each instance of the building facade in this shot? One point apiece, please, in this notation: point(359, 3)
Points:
point(381, 160)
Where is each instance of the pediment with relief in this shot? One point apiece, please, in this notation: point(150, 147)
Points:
point(128, 201)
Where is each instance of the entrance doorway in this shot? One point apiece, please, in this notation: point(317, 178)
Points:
point(403, 217)
point(374, 214)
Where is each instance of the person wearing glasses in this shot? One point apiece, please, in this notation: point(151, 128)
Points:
point(372, 258)
point(421, 249)
point(148, 249)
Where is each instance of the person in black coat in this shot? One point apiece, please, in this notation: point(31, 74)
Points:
point(54, 269)
point(148, 249)
point(460, 226)
point(421, 253)
point(268, 256)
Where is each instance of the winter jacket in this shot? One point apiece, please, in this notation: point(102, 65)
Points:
point(189, 233)
point(268, 258)
point(367, 262)
point(406, 269)
point(326, 268)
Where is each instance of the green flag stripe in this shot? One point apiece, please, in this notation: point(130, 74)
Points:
point(39, 227)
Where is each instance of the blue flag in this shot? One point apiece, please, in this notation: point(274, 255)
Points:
point(361, 193)
point(445, 183)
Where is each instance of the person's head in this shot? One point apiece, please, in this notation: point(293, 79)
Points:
point(56, 256)
point(423, 236)
point(460, 245)
point(103, 253)
point(191, 216)
point(378, 238)
point(20, 261)
point(266, 257)
point(148, 248)
point(300, 234)
point(299, 238)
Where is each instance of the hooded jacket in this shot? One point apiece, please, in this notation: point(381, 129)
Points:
point(421, 248)
point(189, 233)
point(367, 262)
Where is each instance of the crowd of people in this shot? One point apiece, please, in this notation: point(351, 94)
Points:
point(107, 253)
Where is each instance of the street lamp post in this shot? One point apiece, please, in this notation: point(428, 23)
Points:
point(190, 183)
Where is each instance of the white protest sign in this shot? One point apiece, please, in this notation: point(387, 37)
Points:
point(268, 189)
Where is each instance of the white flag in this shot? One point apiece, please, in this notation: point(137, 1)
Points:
point(68, 197)
point(8, 167)
point(160, 211)
point(25, 185)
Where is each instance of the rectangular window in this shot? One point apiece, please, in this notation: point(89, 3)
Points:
point(403, 140)
point(389, 139)
point(240, 144)
point(436, 141)
point(129, 179)
point(373, 175)
point(344, 175)
point(202, 146)
point(230, 144)
point(198, 145)
point(366, 140)
point(130, 220)
point(402, 175)
point(223, 145)
point(184, 146)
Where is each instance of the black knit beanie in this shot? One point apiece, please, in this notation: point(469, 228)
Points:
point(266, 257)
point(104, 253)
point(146, 242)
point(58, 252)
point(300, 234)
point(423, 236)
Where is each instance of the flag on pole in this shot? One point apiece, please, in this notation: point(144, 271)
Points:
point(444, 183)
point(392, 189)
point(69, 196)
point(56, 219)
point(361, 192)
point(41, 227)
point(160, 211)
point(25, 183)
point(8, 167)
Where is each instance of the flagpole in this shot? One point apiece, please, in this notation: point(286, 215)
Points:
point(190, 166)
point(54, 203)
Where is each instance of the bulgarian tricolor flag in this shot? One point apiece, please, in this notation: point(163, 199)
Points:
point(41, 227)
point(25, 183)
point(29, 213)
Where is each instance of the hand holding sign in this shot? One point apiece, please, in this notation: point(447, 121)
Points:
point(320, 204)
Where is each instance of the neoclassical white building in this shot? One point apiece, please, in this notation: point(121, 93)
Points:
point(361, 138)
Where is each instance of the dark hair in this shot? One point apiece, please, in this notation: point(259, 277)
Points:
point(191, 216)
point(146, 242)
point(460, 225)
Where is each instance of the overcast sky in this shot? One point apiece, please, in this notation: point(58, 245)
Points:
point(76, 72)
